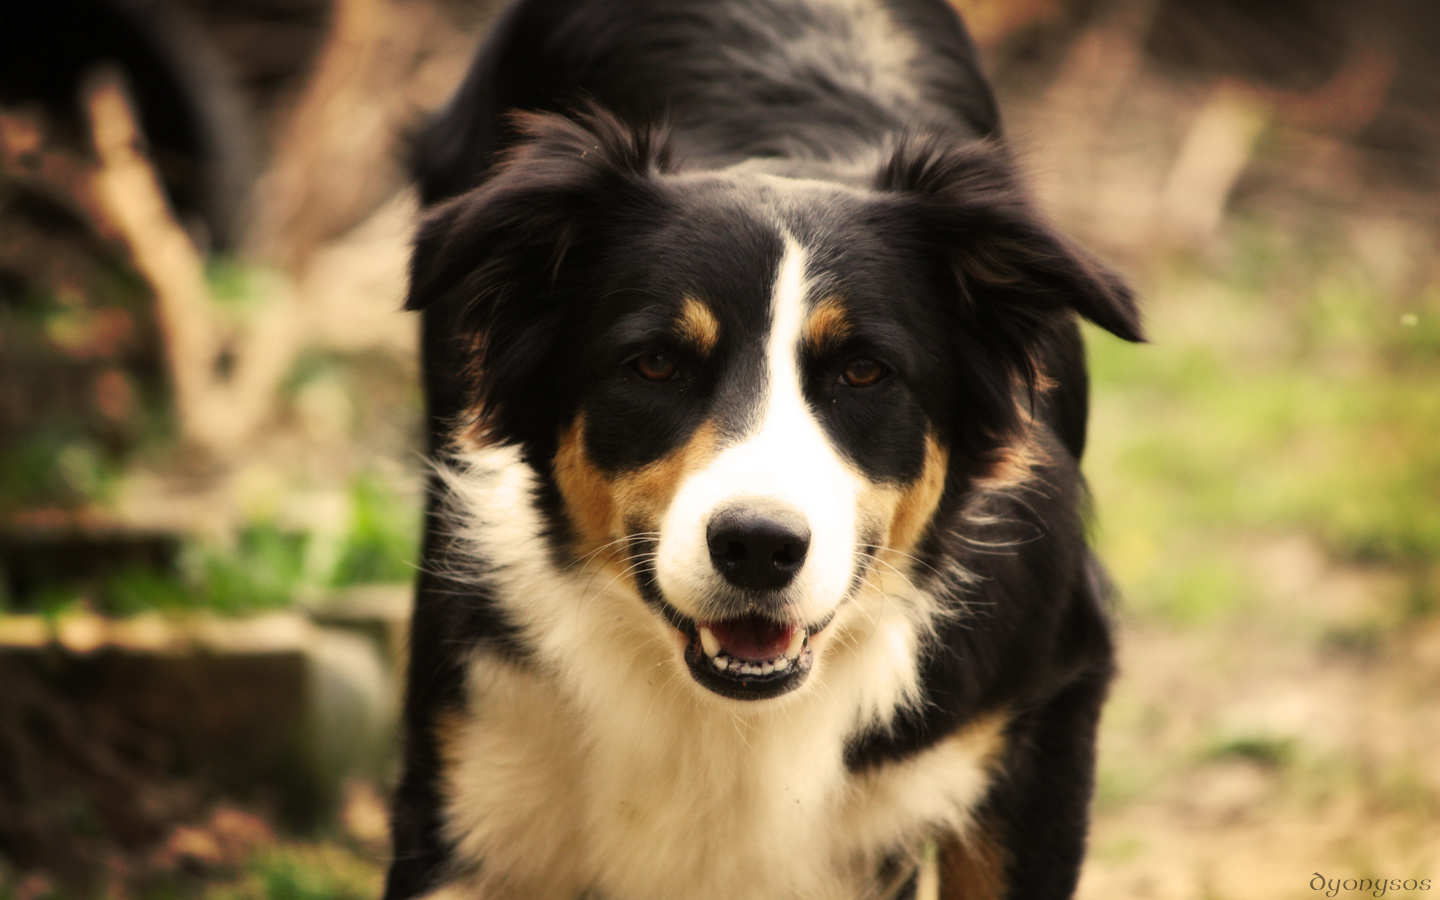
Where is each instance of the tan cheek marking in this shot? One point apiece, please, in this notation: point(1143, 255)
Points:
point(643, 496)
point(827, 324)
point(917, 502)
point(601, 508)
point(698, 325)
point(589, 495)
point(901, 513)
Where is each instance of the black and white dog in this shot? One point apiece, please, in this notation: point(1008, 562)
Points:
point(755, 566)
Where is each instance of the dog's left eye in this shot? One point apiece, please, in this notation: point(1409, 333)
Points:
point(655, 366)
point(863, 372)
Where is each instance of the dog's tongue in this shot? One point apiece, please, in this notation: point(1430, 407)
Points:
point(752, 638)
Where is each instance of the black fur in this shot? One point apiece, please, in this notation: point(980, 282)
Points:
point(557, 235)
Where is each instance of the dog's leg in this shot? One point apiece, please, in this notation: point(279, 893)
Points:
point(1028, 840)
point(420, 853)
point(435, 683)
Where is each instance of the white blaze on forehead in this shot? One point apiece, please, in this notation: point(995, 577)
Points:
point(786, 459)
point(787, 314)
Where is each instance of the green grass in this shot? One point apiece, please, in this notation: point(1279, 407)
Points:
point(1298, 399)
point(1266, 751)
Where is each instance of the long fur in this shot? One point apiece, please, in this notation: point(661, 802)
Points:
point(693, 263)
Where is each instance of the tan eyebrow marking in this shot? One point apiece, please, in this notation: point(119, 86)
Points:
point(828, 323)
point(698, 325)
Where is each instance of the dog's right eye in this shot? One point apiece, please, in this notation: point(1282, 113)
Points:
point(654, 366)
point(863, 372)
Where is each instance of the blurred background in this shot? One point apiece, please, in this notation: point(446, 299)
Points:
point(210, 443)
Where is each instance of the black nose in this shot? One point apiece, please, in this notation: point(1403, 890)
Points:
point(758, 549)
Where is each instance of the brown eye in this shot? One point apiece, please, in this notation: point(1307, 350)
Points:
point(655, 367)
point(863, 372)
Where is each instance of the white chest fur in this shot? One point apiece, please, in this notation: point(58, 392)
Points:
point(598, 767)
point(684, 802)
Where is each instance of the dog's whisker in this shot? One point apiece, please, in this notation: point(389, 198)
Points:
point(596, 552)
point(589, 596)
point(627, 539)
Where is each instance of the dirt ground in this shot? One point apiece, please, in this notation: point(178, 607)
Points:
point(1238, 761)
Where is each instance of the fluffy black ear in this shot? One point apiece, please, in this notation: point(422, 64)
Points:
point(1003, 251)
point(500, 264)
point(549, 182)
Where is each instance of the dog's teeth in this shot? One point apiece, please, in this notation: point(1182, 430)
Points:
point(722, 663)
point(767, 669)
point(782, 663)
point(797, 643)
point(709, 642)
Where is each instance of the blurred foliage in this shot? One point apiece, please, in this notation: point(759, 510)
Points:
point(259, 571)
point(301, 872)
point(82, 392)
point(1286, 392)
point(265, 567)
point(275, 870)
point(383, 540)
point(60, 466)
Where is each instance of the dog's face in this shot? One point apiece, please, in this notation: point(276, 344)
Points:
point(749, 431)
point(746, 393)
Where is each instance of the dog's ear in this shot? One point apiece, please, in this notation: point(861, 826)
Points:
point(549, 183)
point(1016, 281)
point(500, 264)
point(1002, 250)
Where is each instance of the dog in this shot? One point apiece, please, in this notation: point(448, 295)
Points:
point(755, 563)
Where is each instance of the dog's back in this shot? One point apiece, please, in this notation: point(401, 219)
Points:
point(733, 80)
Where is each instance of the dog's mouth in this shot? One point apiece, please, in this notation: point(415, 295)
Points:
point(745, 657)
point(751, 657)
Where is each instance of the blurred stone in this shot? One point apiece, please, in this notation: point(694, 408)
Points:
point(378, 611)
point(273, 709)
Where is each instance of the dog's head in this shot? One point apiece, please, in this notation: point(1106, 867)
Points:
point(745, 392)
